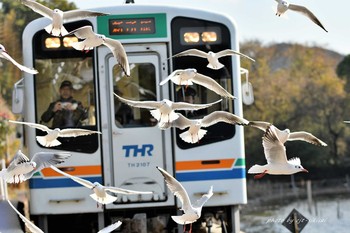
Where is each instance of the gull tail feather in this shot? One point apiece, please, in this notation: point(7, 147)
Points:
point(42, 140)
point(107, 200)
point(181, 219)
point(256, 169)
point(192, 138)
point(216, 67)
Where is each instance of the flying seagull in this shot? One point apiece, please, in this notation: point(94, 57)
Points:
point(275, 154)
point(190, 76)
point(284, 5)
point(192, 212)
point(163, 111)
point(100, 194)
point(111, 227)
point(91, 40)
point(21, 168)
point(286, 135)
point(195, 133)
point(50, 139)
point(5, 55)
point(29, 224)
point(59, 17)
point(213, 58)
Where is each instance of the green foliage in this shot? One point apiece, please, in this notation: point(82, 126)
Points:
point(296, 87)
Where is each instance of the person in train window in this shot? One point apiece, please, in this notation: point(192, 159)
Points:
point(66, 111)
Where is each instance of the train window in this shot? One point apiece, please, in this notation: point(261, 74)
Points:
point(69, 99)
point(191, 33)
point(140, 86)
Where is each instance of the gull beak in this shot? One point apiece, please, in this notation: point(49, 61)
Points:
point(304, 170)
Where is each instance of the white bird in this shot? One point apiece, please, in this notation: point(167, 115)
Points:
point(59, 17)
point(195, 133)
point(284, 5)
point(91, 40)
point(100, 194)
point(163, 111)
point(111, 227)
point(192, 212)
point(31, 226)
point(275, 154)
point(5, 55)
point(21, 168)
point(286, 135)
point(347, 122)
point(50, 139)
point(190, 76)
point(213, 58)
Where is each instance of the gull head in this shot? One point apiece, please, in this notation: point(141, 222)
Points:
point(295, 164)
point(95, 184)
point(2, 49)
point(33, 164)
point(211, 54)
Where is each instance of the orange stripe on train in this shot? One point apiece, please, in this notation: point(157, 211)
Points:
point(204, 164)
point(75, 171)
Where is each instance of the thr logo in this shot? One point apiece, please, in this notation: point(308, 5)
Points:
point(134, 150)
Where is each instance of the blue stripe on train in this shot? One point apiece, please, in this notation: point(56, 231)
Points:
point(235, 173)
point(38, 183)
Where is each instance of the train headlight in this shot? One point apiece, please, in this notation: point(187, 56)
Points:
point(52, 42)
point(191, 37)
point(68, 41)
point(209, 36)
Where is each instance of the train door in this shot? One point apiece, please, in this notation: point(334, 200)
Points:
point(137, 144)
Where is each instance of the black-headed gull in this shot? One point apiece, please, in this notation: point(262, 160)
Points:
point(59, 17)
point(50, 139)
point(163, 111)
point(100, 194)
point(111, 227)
point(284, 5)
point(21, 168)
point(31, 226)
point(91, 40)
point(192, 212)
point(5, 55)
point(195, 133)
point(286, 135)
point(190, 76)
point(213, 58)
point(275, 154)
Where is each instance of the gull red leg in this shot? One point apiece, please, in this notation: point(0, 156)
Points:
point(259, 176)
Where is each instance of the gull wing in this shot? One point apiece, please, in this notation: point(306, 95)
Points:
point(307, 137)
point(38, 8)
point(201, 201)
point(17, 159)
point(80, 14)
point(192, 52)
point(140, 104)
point(230, 52)
point(31, 226)
point(181, 122)
point(211, 84)
point(46, 159)
point(83, 32)
point(75, 132)
point(19, 66)
point(81, 181)
point(124, 191)
point(110, 228)
point(188, 106)
point(262, 125)
point(177, 189)
point(33, 125)
point(171, 77)
point(222, 116)
point(307, 13)
point(275, 151)
point(119, 53)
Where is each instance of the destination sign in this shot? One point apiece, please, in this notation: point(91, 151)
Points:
point(132, 26)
